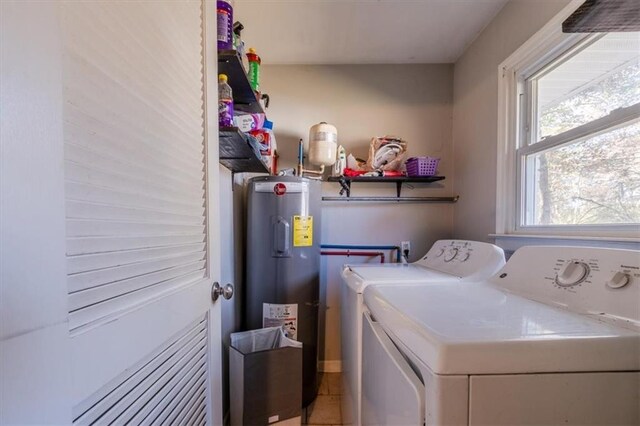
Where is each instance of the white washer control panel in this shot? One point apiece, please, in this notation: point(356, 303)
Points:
point(450, 254)
point(572, 273)
point(618, 280)
point(469, 259)
point(604, 283)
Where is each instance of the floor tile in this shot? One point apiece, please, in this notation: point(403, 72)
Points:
point(325, 410)
point(335, 383)
point(296, 421)
point(324, 385)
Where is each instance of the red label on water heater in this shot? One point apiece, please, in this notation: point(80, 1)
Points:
point(279, 188)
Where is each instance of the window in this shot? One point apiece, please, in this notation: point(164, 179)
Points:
point(569, 135)
point(580, 150)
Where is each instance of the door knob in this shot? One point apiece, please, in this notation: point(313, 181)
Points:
point(217, 290)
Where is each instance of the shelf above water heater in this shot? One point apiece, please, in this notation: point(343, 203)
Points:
point(244, 98)
point(236, 153)
point(346, 181)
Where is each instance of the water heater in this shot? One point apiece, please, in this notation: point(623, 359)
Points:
point(283, 264)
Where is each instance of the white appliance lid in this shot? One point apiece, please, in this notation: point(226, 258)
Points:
point(399, 272)
point(474, 328)
point(360, 276)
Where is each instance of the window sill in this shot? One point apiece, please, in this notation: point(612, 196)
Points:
point(512, 242)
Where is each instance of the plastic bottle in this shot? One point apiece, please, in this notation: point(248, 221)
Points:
point(225, 102)
point(225, 25)
point(238, 44)
point(254, 69)
point(341, 162)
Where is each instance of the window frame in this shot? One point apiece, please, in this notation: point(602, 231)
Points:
point(517, 127)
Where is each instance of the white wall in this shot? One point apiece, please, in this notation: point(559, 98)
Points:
point(411, 101)
point(475, 111)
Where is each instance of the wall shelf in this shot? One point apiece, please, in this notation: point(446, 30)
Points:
point(244, 98)
point(236, 153)
point(345, 181)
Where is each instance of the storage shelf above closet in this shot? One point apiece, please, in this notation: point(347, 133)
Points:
point(236, 154)
point(244, 98)
point(346, 181)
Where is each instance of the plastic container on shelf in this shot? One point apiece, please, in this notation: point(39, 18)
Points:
point(254, 69)
point(225, 24)
point(422, 166)
point(225, 102)
point(238, 44)
point(341, 162)
point(323, 144)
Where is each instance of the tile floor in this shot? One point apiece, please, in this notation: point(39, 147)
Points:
point(325, 410)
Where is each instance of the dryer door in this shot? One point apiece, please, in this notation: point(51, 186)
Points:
point(392, 394)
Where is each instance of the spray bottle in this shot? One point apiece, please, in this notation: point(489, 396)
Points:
point(238, 44)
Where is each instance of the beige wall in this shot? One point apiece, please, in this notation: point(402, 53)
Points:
point(411, 101)
point(435, 108)
point(475, 111)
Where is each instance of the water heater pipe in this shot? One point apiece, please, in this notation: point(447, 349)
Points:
point(301, 169)
point(364, 247)
point(355, 253)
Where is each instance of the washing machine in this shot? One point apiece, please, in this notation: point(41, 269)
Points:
point(553, 338)
point(446, 261)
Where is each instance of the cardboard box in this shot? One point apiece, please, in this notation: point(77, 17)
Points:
point(247, 122)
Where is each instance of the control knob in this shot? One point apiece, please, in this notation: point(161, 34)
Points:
point(451, 254)
point(572, 273)
point(619, 279)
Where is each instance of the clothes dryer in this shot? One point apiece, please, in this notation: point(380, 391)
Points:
point(446, 261)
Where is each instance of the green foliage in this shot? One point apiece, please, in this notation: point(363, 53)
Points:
point(596, 180)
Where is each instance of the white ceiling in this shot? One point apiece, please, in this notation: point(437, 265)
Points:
point(362, 31)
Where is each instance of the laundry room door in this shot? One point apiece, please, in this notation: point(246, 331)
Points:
point(109, 214)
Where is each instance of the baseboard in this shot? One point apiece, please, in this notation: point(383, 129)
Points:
point(332, 366)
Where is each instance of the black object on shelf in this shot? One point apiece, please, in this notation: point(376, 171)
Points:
point(601, 16)
point(244, 98)
point(236, 154)
point(345, 181)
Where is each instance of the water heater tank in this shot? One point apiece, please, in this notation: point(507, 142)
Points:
point(323, 143)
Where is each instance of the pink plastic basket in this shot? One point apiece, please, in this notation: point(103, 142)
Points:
point(422, 166)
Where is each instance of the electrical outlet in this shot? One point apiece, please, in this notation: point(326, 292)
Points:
point(406, 247)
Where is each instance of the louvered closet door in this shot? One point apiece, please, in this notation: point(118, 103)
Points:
point(137, 248)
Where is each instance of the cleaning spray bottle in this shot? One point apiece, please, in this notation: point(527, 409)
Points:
point(225, 24)
point(254, 69)
point(238, 44)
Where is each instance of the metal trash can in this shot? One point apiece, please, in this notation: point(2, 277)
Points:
point(265, 377)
